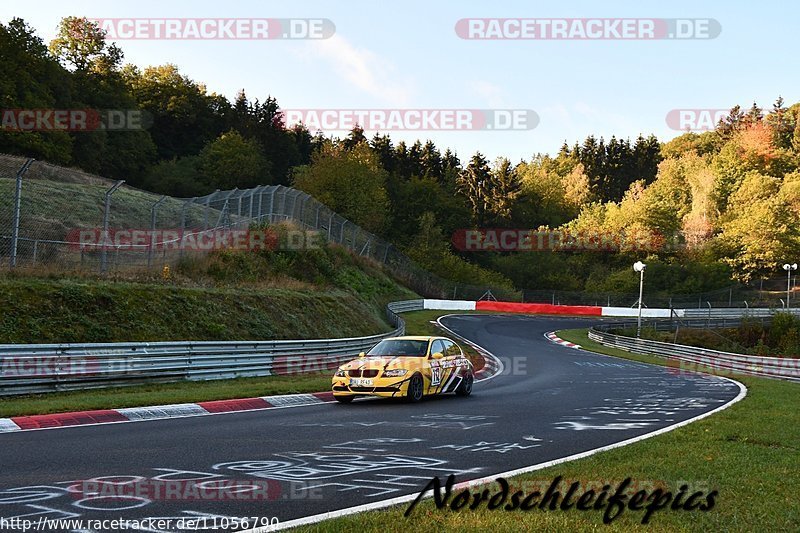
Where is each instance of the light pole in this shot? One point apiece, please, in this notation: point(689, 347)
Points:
point(639, 267)
point(788, 268)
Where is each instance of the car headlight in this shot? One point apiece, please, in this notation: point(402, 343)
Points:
point(394, 373)
point(341, 373)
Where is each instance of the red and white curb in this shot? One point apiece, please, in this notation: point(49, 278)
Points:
point(159, 412)
point(552, 337)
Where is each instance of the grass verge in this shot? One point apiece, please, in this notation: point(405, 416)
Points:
point(162, 394)
point(749, 452)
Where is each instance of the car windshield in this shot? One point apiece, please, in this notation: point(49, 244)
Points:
point(400, 347)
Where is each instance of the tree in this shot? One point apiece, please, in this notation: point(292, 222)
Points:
point(474, 183)
point(82, 44)
point(185, 117)
point(577, 191)
point(431, 162)
point(38, 82)
point(354, 138)
point(383, 148)
point(231, 161)
point(177, 177)
point(759, 232)
point(350, 182)
point(503, 190)
point(751, 149)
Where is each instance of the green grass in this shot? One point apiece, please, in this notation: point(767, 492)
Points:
point(75, 310)
point(749, 452)
point(161, 394)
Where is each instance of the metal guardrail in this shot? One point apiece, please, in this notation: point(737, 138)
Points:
point(38, 368)
point(693, 358)
point(735, 312)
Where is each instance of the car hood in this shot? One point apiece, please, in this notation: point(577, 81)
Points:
point(380, 363)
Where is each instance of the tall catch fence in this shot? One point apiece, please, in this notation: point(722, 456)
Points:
point(65, 219)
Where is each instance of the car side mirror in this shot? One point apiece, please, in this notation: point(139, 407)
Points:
point(362, 354)
point(437, 355)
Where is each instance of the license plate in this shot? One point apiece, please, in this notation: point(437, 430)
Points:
point(360, 382)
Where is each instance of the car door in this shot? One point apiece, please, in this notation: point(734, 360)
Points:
point(450, 371)
point(434, 366)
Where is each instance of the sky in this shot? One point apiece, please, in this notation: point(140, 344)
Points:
point(408, 55)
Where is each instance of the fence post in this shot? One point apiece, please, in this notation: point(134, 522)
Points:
point(208, 207)
point(17, 201)
point(260, 203)
point(153, 211)
point(252, 197)
point(185, 206)
point(272, 203)
point(106, 216)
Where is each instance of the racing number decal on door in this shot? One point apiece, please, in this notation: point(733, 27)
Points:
point(436, 375)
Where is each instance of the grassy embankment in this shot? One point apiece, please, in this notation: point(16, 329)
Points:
point(326, 293)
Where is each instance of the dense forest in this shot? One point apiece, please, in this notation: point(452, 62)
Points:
point(721, 205)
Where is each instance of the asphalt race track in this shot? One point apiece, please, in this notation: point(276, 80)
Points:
point(550, 402)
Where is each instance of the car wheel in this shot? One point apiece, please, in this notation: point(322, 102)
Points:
point(465, 388)
point(415, 388)
point(344, 399)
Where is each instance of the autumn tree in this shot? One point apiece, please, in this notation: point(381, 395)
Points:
point(350, 182)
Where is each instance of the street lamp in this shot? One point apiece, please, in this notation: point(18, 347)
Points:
point(639, 267)
point(788, 268)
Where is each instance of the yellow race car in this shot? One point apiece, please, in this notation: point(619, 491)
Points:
point(405, 367)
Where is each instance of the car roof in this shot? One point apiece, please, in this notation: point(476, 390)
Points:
point(414, 338)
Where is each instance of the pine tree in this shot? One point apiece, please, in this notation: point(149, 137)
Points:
point(474, 183)
point(503, 189)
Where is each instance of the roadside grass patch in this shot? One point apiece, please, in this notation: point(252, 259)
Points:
point(162, 394)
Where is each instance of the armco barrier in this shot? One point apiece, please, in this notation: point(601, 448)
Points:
point(692, 358)
point(35, 368)
point(544, 309)
point(450, 305)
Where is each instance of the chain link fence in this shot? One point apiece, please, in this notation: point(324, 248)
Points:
point(65, 219)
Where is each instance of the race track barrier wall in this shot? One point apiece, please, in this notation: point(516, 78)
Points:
point(695, 359)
